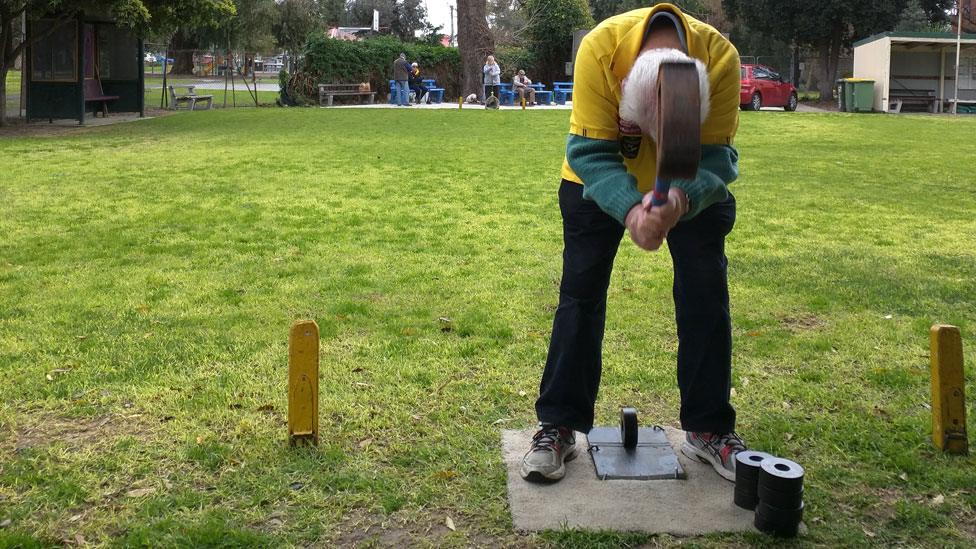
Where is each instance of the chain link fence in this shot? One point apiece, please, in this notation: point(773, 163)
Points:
point(231, 78)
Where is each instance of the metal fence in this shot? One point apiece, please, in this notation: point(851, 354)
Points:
point(232, 78)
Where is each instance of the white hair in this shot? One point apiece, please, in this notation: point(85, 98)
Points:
point(639, 107)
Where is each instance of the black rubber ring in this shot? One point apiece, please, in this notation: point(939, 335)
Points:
point(779, 498)
point(781, 475)
point(628, 427)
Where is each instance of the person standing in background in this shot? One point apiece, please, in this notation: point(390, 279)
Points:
point(401, 75)
point(493, 76)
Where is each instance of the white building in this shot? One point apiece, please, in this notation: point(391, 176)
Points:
point(916, 70)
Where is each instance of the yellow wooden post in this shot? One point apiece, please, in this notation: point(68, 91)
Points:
point(460, 101)
point(948, 400)
point(303, 383)
point(523, 103)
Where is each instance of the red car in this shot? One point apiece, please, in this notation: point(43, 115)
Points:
point(763, 87)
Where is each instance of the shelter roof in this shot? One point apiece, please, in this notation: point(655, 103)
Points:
point(935, 39)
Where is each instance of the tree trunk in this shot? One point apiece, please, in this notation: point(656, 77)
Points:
point(3, 93)
point(182, 52)
point(6, 59)
point(474, 44)
point(829, 58)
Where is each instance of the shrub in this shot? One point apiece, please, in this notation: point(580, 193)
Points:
point(330, 61)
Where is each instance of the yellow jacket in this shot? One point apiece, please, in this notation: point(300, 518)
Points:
point(603, 61)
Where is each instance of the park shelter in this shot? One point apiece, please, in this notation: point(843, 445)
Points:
point(69, 57)
point(917, 65)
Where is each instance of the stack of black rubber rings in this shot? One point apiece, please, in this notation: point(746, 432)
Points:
point(773, 487)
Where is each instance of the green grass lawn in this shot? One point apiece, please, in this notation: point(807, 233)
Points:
point(149, 273)
point(13, 92)
point(240, 95)
point(13, 80)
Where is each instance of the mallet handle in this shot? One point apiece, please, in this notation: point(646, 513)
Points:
point(659, 196)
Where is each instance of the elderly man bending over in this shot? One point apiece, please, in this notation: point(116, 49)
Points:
point(603, 194)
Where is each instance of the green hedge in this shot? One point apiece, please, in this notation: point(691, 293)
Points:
point(330, 61)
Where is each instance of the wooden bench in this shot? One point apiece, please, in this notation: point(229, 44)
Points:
point(328, 91)
point(898, 98)
point(94, 94)
point(188, 99)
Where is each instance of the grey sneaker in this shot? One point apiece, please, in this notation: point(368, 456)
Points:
point(551, 448)
point(717, 450)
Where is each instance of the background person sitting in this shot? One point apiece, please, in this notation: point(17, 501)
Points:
point(417, 84)
point(521, 85)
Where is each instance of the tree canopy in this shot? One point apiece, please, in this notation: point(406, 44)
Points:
point(826, 27)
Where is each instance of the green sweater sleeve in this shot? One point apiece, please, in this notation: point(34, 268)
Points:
point(719, 166)
point(600, 166)
point(605, 179)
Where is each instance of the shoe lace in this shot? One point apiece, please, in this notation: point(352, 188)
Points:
point(732, 439)
point(545, 438)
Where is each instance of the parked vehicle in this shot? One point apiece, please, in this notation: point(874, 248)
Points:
point(764, 87)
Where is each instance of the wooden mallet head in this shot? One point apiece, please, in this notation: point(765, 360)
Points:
point(678, 126)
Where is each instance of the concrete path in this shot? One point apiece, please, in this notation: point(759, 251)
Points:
point(698, 505)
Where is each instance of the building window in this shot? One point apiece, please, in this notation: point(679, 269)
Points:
point(55, 57)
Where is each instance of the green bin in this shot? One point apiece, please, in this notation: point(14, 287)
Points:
point(859, 94)
point(842, 94)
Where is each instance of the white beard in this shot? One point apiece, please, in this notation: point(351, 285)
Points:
point(639, 107)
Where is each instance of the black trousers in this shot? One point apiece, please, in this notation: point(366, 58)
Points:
point(571, 379)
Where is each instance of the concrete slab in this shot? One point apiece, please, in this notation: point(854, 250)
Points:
point(698, 505)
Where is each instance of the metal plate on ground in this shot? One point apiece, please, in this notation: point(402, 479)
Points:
point(652, 459)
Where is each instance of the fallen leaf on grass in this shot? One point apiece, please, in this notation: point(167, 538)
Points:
point(522, 393)
point(5, 523)
point(81, 337)
point(75, 518)
point(415, 417)
point(365, 442)
point(446, 475)
point(266, 408)
point(732, 391)
point(450, 524)
point(786, 405)
point(199, 440)
point(789, 436)
point(887, 317)
point(868, 533)
point(938, 500)
point(903, 476)
point(139, 492)
point(361, 384)
point(275, 522)
point(80, 539)
point(500, 421)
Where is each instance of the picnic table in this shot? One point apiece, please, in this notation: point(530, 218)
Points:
point(562, 91)
point(898, 98)
point(328, 91)
point(188, 99)
point(961, 105)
